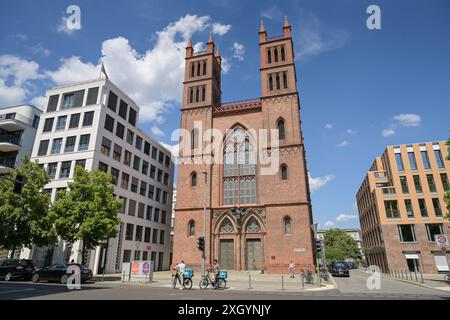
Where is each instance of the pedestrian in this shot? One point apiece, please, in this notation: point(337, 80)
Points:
point(292, 269)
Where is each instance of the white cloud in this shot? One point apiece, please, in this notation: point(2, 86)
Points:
point(157, 131)
point(408, 119)
point(343, 144)
point(220, 29)
point(238, 51)
point(328, 126)
point(271, 13)
point(315, 37)
point(39, 49)
point(16, 75)
point(346, 217)
point(329, 224)
point(319, 182)
point(351, 131)
point(226, 65)
point(39, 102)
point(73, 70)
point(388, 132)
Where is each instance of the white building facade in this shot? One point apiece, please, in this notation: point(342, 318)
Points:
point(18, 126)
point(94, 124)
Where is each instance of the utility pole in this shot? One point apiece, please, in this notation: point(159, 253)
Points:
point(314, 229)
point(204, 223)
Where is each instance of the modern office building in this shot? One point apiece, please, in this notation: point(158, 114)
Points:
point(93, 124)
point(18, 126)
point(401, 208)
point(256, 219)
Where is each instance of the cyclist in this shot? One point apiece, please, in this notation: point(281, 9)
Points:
point(180, 268)
point(215, 268)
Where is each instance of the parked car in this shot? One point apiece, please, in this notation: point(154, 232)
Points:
point(352, 265)
point(16, 269)
point(58, 273)
point(339, 268)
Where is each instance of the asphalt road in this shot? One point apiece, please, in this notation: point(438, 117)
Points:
point(348, 288)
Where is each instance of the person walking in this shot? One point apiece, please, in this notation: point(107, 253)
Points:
point(179, 268)
point(292, 269)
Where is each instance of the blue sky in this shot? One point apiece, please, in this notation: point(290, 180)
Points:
point(360, 89)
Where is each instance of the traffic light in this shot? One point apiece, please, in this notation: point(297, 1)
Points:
point(18, 184)
point(201, 244)
point(318, 246)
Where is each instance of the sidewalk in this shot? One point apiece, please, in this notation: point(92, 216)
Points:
point(240, 281)
point(432, 281)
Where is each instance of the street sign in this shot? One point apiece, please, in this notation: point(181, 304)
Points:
point(444, 249)
point(441, 239)
point(149, 247)
point(299, 249)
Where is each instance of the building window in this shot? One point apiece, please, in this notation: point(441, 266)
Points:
point(81, 163)
point(109, 123)
point(270, 83)
point(404, 184)
point(152, 171)
point(56, 146)
point(92, 96)
point(439, 160)
point(194, 138)
point(437, 207)
point(423, 208)
point(164, 197)
point(431, 184)
point(154, 152)
point(132, 207)
point(102, 167)
point(112, 101)
point(398, 158)
point(287, 225)
point(281, 129)
point(144, 167)
point(167, 161)
point(52, 103)
point(239, 179)
point(425, 159)
point(127, 158)
point(132, 117)
point(159, 177)
point(88, 118)
point(156, 215)
point(412, 160)
point(434, 229)
point(124, 181)
point(391, 208)
point(409, 208)
point(120, 130)
point(61, 123)
point(105, 148)
point(284, 172)
point(191, 95)
point(68, 101)
point(192, 70)
point(147, 234)
point(163, 217)
point(193, 179)
point(162, 236)
point(130, 136)
point(70, 144)
point(43, 148)
point(155, 236)
point(275, 55)
point(148, 213)
point(48, 125)
point(147, 148)
point(129, 232)
point(278, 82)
point(141, 209)
point(137, 255)
point(151, 191)
point(444, 180)
point(65, 169)
point(123, 109)
point(127, 253)
point(269, 56)
point(166, 179)
point(115, 176)
point(158, 195)
point(117, 153)
point(51, 170)
point(134, 184)
point(191, 228)
point(136, 163)
point(84, 142)
point(283, 55)
point(35, 122)
point(74, 121)
point(143, 188)
point(417, 184)
point(285, 84)
point(138, 144)
point(407, 232)
point(161, 157)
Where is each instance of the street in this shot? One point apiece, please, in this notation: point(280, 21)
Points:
point(352, 288)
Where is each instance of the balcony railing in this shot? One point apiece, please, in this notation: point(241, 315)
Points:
point(380, 174)
point(8, 162)
point(10, 138)
point(388, 191)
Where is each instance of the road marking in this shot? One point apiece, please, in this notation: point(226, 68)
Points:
point(12, 291)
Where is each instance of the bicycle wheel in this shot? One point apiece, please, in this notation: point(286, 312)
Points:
point(203, 283)
point(187, 284)
point(174, 282)
point(221, 284)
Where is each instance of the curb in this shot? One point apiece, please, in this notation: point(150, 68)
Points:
point(413, 282)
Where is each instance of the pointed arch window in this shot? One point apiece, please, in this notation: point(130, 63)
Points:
point(197, 95)
point(253, 226)
point(192, 70)
point(275, 55)
point(285, 81)
point(270, 83)
point(281, 129)
point(193, 179)
point(204, 68)
point(203, 93)
point(226, 226)
point(239, 169)
point(269, 56)
point(198, 69)
point(283, 55)
point(278, 82)
point(284, 172)
point(194, 138)
point(191, 95)
point(287, 225)
point(191, 228)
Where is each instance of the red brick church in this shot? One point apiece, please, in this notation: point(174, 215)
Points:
point(254, 220)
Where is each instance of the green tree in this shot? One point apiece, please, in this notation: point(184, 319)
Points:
point(87, 211)
point(24, 218)
point(340, 246)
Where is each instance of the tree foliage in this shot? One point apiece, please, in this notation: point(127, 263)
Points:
point(88, 210)
point(24, 218)
point(340, 246)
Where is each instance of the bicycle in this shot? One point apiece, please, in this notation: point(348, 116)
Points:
point(324, 274)
point(209, 280)
point(309, 279)
point(185, 283)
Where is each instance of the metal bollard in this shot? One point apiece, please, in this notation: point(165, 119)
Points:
point(123, 276)
point(410, 275)
point(402, 273)
point(415, 274)
point(250, 281)
point(303, 280)
point(421, 276)
point(282, 282)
